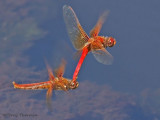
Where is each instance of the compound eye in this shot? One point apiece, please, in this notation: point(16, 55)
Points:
point(111, 42)
point(74, 85)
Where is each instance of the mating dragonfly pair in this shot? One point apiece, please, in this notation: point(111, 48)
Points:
point(82, 42)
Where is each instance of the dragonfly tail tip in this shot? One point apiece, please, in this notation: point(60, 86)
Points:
point(14, 84)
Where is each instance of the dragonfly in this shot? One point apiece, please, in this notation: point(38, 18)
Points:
point(57, 82)
point(82, 42)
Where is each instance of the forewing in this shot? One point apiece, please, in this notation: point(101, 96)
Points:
point(51, 76)
point(76, 33)
point(103, 56)
point(60, 70)
point(95, 31)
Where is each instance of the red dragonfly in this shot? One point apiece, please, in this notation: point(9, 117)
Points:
point(54, 83)
point(82, 42)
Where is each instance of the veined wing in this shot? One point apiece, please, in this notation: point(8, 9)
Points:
point(95, 31)
point(60, 70)
point(103, 56)
point(51, 76)
point(49, 97)
point(76, 33)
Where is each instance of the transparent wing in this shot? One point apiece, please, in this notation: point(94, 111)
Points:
point(95, 31)
point(77, 55)
point(76, 33)
point(103, 56)
point(51, 76)
point(60, 70)
point(49, 98)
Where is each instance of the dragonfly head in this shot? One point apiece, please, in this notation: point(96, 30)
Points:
point(109, 42)
point(73, 85)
